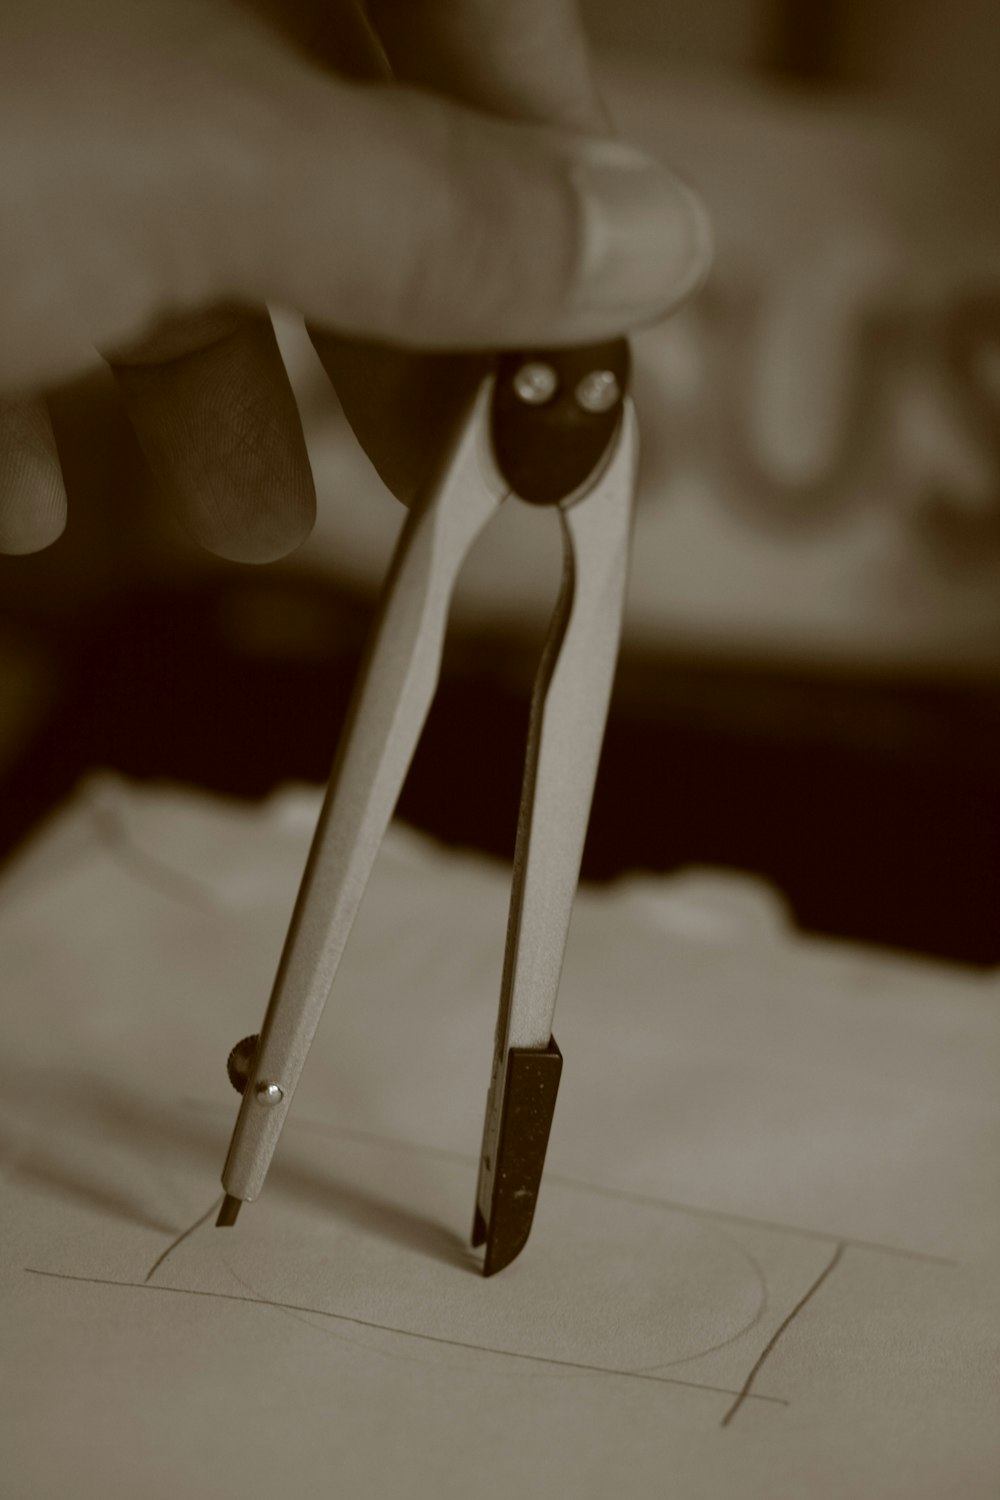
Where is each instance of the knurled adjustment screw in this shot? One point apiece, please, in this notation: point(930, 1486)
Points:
point(239, 1063)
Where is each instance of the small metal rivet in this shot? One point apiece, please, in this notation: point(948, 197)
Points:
point(269, 1093)
point(598, 391)
point(535, 383)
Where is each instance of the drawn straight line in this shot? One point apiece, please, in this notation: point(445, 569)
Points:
point(113, 832)
point(430, 1338)
point(746, 1392)
point(696, 1211)
point(447, 1153)
point(158, 1262)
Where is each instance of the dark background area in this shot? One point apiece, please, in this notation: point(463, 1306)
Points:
point(872, 804)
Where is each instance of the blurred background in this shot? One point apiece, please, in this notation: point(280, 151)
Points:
point(810, 679)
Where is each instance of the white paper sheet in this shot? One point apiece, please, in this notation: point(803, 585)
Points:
point(765, 1258)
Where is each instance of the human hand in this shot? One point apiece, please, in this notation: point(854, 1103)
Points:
point(167, 167)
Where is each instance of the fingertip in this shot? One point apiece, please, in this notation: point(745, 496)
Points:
point(21, 535)
point(222, 436)
point(32, 493)
point(255, 535)
point(646, 240)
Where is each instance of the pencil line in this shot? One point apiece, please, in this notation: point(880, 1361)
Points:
point(158, 1262)
point(800, 1231)
point(112, 831)
point(696, 1210)
point(430, 1338)
point(746, 1390)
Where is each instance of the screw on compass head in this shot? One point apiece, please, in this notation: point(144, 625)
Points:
point(535, 383)
point(598, 391)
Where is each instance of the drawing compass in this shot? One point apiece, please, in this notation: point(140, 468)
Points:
point(556, 429)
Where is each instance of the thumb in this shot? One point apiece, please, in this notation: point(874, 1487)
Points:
point(395, 215)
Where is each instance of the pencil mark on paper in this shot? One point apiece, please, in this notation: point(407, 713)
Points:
point(407, 1333)
point(165, 1255)
point(746, 1390)
point(113, 833)
point(732, 1338)
point(624, 1195)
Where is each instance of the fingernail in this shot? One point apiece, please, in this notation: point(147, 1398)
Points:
point(646, 237)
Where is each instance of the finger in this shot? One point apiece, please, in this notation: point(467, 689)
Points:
point(214, 413)
point(249, 175)
point(521, 61)
point(490, 236)
point(393, 214)
point(190, 157)
point(32, 495)
point(524, 60)
point(474, 233)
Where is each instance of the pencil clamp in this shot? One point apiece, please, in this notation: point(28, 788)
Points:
point(531, 1084)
